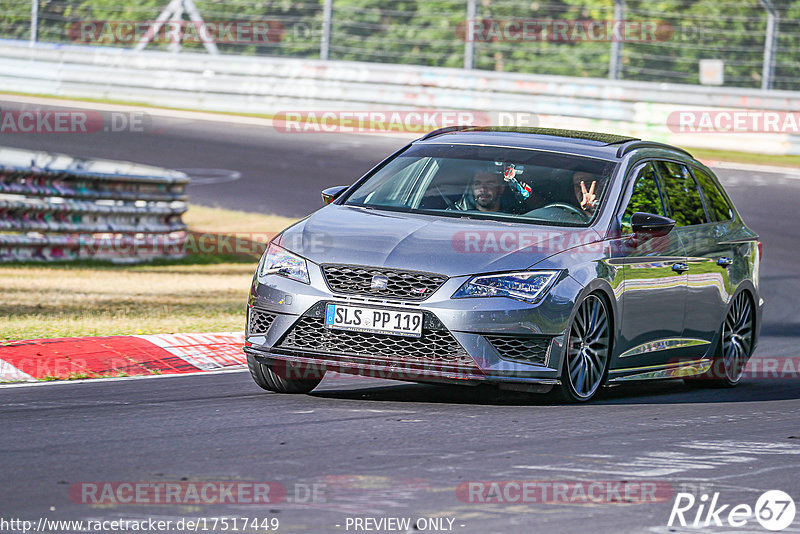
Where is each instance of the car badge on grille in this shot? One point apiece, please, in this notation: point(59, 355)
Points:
point(419, 290)
point(379, 281)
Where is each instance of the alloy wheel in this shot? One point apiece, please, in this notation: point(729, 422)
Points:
point(588, 348)
point(737, 337)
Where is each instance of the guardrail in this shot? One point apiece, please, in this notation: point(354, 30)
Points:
point(57, 208)
point(265, 85)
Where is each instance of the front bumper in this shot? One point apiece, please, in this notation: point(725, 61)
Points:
point(467, 341)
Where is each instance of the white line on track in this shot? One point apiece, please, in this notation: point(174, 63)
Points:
point(705, 455)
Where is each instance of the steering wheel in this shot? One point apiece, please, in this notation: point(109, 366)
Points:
point(450, 204)
point(570, 208)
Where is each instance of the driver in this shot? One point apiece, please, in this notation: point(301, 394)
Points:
point(485, 190)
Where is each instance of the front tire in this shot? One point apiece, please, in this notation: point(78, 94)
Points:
point(587, 350)
point(280, 380)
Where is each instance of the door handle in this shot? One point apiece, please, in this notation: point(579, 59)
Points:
point(724, 261)
point(680, 267)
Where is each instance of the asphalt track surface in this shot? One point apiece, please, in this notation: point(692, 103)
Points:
point(382, 449)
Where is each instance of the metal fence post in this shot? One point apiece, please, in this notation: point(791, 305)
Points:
point(770, 44)
point(173, 12)
point(615, 61)
point(34, 21)
point(327, 21)
point(469, 42)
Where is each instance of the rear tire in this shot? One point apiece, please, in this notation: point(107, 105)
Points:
point(734, 348)
point(272, 379)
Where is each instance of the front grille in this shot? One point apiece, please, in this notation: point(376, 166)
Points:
point(402, 285)
point(531, 349)
point(258, 321)
point(435, 346)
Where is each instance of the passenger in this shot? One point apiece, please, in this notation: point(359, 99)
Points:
point(586, 195)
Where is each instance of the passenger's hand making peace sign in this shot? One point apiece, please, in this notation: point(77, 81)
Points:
point(589, 198)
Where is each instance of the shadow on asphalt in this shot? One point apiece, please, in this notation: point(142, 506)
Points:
point(655, 392)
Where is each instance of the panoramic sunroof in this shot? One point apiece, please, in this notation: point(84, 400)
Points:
point(595, 138)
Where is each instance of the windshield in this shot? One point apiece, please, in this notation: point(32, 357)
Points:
point(489, 182)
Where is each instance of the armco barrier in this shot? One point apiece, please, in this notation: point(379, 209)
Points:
point(270, 85)
point(54, 207)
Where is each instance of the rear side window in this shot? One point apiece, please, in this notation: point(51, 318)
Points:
point(718, 207)
point(684, 203)
point(645, 197)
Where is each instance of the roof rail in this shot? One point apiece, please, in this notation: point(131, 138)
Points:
point(446, 129)
point(624, 149)
point(606, 139)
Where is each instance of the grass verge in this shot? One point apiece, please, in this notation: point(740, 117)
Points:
point(204, 292)
point(745, 157)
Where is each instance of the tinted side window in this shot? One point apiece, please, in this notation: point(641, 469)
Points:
point(682, 196)
point(718, 207)
point(398, 185)
point(645, 197)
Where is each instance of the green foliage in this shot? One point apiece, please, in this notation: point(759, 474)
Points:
point(644, 198)
point(433, 32)
point(409, 31)
point(680, 188)
point(15, 18)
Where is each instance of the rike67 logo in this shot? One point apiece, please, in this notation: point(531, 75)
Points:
point(774, 510)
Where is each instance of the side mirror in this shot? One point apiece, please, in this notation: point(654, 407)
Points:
point(651, 224)
point(330, 194)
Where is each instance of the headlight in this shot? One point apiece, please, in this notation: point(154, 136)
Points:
point(528, 286)
point(277, 260)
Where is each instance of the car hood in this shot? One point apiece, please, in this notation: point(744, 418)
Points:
point(437, 244)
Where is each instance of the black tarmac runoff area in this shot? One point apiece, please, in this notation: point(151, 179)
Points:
point(214, 453)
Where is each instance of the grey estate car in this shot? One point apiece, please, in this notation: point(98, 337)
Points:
point(528, 258)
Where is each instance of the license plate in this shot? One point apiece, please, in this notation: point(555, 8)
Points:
point(381, 321)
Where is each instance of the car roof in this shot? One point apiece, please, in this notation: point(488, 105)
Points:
point(593, 144)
